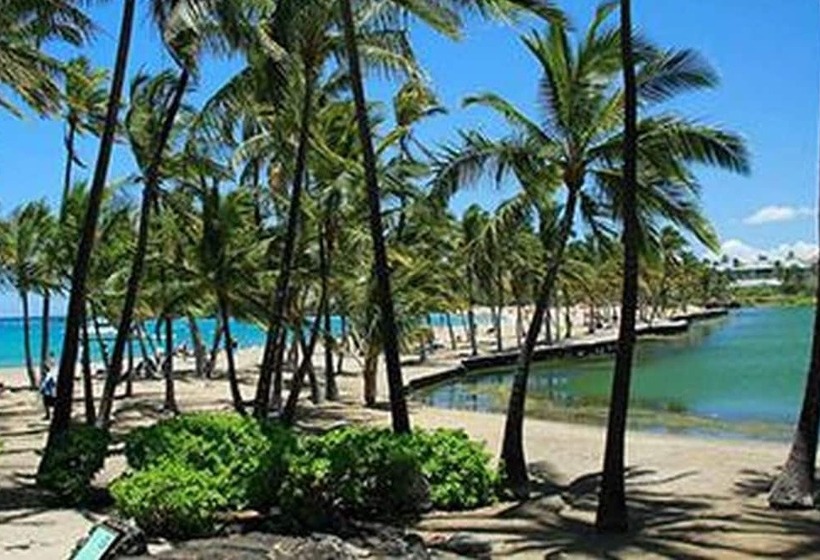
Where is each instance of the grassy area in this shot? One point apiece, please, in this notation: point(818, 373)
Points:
point(771, 296)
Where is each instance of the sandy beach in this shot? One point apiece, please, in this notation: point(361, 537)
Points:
point(688, 497)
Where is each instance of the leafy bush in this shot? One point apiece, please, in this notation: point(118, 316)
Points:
point(375, 474)
point(458, 469)
point(171, 499)
point(245, 459)
point(71, 462)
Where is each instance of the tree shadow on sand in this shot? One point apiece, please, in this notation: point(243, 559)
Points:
point(559, 522)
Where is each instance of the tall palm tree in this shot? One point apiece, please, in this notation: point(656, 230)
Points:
point(579, 146)
point(25, 69)
point(149, 131)
point(76, 303)
point(23, 239)
point(794, 486)
point(612, 513)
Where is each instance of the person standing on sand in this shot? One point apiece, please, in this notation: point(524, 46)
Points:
point(48, 386)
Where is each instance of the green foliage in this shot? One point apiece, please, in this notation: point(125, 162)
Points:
point(71, 462)
point(191, 467)
point(352, 472)
point(375, 474)
point(458, 469)
point(171, 499)
point(245, 459)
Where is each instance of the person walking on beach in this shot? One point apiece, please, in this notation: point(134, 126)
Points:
point(48, 386)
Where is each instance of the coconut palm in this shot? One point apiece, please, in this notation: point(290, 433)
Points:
point(24, 237)
point(612, 514)
point(794, 486)
point(579, 144)
point(25, 69)
point(82, 258)
point(149, 132)
point(84, 98)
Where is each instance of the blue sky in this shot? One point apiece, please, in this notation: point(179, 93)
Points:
point(767, 53)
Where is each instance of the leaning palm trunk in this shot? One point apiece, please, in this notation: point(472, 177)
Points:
point(271, 361)
point(325, 250)
point(612, 513)
point(44, 333)
point(794, 486)
point(76, 302)
point(168, 367)
point(32, 377)
point(88, 384)
point(199, 348)
point(233, 383)
point(512, 448)
point(149, 196)
point(210, 365)
point(289, 412)
point(450, 330)
point(390, 334)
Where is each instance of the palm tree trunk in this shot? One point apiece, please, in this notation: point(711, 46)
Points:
point(519, 323)
point(612, 514)
point(512, 448)
point(44, 333)
point(450, 330)
point(343, 345)
point(69, 162)
point(199, 348)
point(168, 367)
point(289, 412)
point(212, 355)
point(499, 318)
point(88, 382)
point(32, 377)
point(129, 374)
point(149, 196)
point(270, 360)
point(233, 382)
point(794, 486)
point(68, 358)
point(325, 250)
point(98, 335)
point(390, 334)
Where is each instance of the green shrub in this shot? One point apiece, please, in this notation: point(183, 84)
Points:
point(71, 462)
point(170, 499)
point(375, 474)
point(352, 472)
point(458, 469)
point(245, 459)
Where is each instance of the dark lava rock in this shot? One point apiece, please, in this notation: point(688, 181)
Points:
point(464, 544)
point(264, 546)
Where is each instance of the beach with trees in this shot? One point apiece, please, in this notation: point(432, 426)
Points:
point(249, 339)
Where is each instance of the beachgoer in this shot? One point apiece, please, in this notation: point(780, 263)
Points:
point(48, 387)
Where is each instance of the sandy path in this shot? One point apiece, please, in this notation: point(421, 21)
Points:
point(689, 497)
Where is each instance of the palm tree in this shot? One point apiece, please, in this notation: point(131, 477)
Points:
point(76, 303)
point(84, 110)
point(24, 68)
point(612, 514)
point(578, 146)
point(149, 131)
point(794, 485)
point(23, 239)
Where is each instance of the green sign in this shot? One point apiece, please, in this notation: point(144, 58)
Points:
point(98, 543)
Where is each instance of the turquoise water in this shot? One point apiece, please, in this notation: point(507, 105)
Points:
point(746, 368)
point(246, 335)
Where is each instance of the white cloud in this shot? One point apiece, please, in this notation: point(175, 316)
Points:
point(772, 214)
point(737, 249)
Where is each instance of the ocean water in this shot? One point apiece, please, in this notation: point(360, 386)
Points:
point(245, 334)
point(747, 368)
